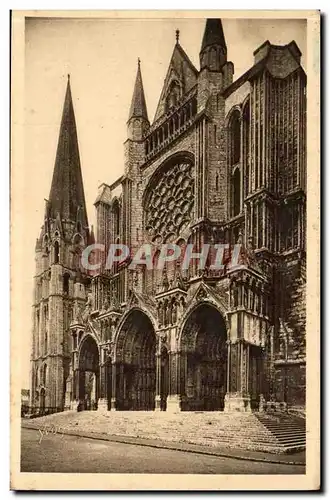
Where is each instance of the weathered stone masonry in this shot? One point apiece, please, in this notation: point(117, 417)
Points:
point(223, 161)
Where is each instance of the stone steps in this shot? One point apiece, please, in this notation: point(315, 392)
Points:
point(234, 430)
point(289, 431)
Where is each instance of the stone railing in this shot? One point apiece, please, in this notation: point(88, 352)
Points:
point(175, 124)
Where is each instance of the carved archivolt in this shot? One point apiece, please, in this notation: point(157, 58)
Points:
point(169, 208)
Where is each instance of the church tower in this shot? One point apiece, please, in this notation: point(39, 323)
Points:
point(59, 281)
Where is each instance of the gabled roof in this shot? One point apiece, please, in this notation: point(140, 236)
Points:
point(104, 195)
point(180, 69)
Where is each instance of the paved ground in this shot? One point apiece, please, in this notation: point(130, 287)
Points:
point(64, 453)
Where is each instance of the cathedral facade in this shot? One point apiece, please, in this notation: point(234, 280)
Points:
point(222, 162)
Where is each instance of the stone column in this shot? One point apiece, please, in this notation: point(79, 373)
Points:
point(114, 403)
point(158, 381)
point(174, 396)
point(237, 398)
point(75, 390)
point(78, 389)
point(102, 404)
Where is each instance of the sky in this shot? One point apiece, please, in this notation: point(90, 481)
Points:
point(101, 57)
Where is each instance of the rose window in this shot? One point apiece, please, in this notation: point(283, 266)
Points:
point(169, 208)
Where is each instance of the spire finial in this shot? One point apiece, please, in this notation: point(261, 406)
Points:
point(68, 77)
point(177, 35)
point(139, 62)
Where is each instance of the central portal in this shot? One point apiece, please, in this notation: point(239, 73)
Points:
point(136, 363)
point(203, 360)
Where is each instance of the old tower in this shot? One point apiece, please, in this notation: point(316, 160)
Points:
point(58, 282)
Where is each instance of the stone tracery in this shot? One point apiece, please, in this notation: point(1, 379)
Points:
point(169, 208)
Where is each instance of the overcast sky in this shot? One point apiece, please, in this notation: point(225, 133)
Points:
point(101, 57)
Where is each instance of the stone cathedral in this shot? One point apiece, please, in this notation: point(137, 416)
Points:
point(222, 161)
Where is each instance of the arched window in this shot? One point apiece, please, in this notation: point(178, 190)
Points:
point(115, 264)
point(136, 127)
point(173, 94)
point(235, 138)
point(36, 377)
point(44, 375)
point(155, 272)
point(236, 191)
point(66, 283)
point(246, 145)
point(46, 313)
point(116, 218)
point(213, 57)
point(46, 342)
point(46, 243)
point(56, 252)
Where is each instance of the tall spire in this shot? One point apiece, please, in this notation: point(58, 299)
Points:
point(138, 107)
point(67, 196)
point(213, 34)
point(213, 54)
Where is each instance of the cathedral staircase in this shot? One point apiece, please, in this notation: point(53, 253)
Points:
point(272, 433)
point(288, 430)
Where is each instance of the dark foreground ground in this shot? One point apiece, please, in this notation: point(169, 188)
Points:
point(65, 453)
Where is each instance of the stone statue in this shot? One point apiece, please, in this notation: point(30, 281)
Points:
point(165, 283)
point(88, 307)
point(77, 313)
point(106, 303)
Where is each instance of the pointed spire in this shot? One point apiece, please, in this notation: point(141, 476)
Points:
point(138, 107)
point(213, 34)
point(67, 191)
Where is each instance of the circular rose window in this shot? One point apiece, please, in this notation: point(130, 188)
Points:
point(170, 202)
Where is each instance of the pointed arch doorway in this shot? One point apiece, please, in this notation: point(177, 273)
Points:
point(203, 366)
point(88, 374)
point(134, 372)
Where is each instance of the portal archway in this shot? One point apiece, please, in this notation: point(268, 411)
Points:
point(88, 374)
point(136, 363)
point(203, 360)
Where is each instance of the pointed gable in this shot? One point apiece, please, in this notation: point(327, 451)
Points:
point(180, 78)
point(67, 191)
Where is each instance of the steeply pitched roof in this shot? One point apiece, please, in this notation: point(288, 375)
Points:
point(138, 107)
point(67, 190)
point(213, 34)
point(104, 195)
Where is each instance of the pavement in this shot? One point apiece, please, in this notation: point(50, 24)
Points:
point(296, 459)
point(73, 453)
